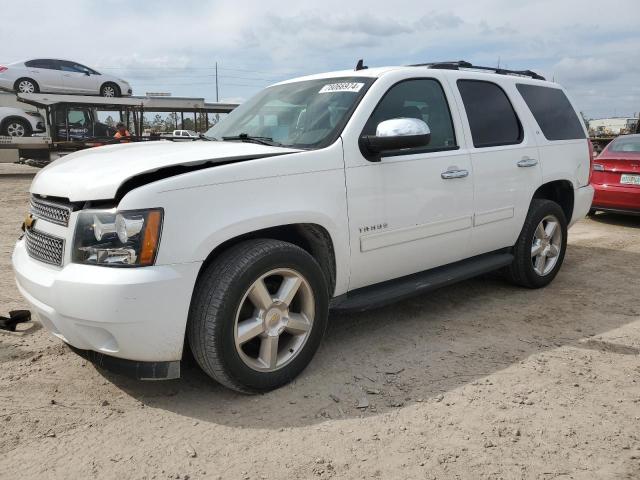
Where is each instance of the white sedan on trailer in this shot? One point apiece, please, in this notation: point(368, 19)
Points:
point(60, 76)
point(15, 122)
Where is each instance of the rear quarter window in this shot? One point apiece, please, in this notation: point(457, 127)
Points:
point(553, 112)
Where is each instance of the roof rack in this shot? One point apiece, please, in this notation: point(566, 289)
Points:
point(459, 64)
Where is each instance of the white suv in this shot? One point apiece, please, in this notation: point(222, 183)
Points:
point(344, 190)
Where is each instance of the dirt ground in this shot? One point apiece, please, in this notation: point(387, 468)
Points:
point(478, 380)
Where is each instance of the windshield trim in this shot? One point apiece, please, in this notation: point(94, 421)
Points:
point(340, 126)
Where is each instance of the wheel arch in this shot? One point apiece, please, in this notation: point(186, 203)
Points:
point(311, 237)
point(559, 191)
point(6, 120)
point(110, 82)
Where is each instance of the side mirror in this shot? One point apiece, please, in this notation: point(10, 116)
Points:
point(395, 134)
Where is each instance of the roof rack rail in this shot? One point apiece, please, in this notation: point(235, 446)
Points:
point(458, 64)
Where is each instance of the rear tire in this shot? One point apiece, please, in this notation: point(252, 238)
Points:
point(26, 85)
point(110, 90)
point(540, 249)
point(244, 330)
point(16, 127)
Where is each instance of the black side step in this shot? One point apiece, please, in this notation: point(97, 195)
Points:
point(384, 293)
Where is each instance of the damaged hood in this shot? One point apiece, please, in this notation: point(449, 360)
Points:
point(96, 173)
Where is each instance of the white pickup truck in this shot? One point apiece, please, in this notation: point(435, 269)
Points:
point(181, 135)
point(343, 190)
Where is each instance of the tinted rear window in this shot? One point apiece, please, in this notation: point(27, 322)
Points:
point(625, 144)
point(492, 118)
point(553, 112)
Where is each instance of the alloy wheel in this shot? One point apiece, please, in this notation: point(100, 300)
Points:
point(26, 86)
point(108, 91)
point(546, 245)
point(15, 129)
point(274, 320)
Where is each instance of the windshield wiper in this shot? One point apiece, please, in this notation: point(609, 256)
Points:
point(244, 137)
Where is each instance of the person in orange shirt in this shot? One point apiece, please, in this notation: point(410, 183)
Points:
point(121, 131)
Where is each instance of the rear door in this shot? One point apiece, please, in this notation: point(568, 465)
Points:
point(47, 74)
point(561, 136)
point(505, 162)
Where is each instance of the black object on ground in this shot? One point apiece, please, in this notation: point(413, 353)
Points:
point(15, 317)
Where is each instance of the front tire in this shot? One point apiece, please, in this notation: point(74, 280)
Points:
point(258, 315)
point(540, 249)
point(16, 128)
point(110, 90)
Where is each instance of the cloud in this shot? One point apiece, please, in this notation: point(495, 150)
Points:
point(163, 46)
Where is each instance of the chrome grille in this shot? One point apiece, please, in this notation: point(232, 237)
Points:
point(44, 247)
point(52, 212)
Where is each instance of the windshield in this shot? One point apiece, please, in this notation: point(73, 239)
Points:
point(628, 144)
point(307, 114)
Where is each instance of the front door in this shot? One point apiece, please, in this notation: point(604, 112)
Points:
point(78, 78)
point(412, 210)
point(73, 124)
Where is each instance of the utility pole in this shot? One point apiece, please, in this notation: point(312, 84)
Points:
point(217, 82)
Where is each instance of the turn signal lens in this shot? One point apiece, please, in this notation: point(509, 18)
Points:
point(151, 237)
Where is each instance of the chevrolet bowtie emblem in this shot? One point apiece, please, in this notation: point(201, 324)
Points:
point(29, 222)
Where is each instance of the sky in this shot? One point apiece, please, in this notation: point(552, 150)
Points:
point(591, 48)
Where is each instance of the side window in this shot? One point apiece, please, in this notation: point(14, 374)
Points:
point(78, 117)
point(69, 67)
point(83, 69)
point(42, 63)
point(553, 112)
point(492, 119)
point(423, 99)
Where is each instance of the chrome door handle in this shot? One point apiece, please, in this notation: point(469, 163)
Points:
point(454, 174)
point(527, 162)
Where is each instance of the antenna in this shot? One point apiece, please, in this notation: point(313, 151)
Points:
point(360, 65)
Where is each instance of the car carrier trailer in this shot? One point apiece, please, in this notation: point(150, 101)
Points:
point(72, 121)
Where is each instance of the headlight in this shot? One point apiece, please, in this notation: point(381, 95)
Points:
point(117, 239)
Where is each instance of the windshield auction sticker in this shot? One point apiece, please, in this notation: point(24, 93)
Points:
point(341, 87)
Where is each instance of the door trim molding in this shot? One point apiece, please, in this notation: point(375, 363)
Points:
point(409, 234)
point(493, 216)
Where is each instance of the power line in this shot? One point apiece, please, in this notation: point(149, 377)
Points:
point(189, 68)
point(199, 83)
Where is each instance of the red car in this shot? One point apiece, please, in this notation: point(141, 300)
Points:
point(616, 177)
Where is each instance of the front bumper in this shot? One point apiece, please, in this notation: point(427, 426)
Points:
point(132, 368)
point(138, 314)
